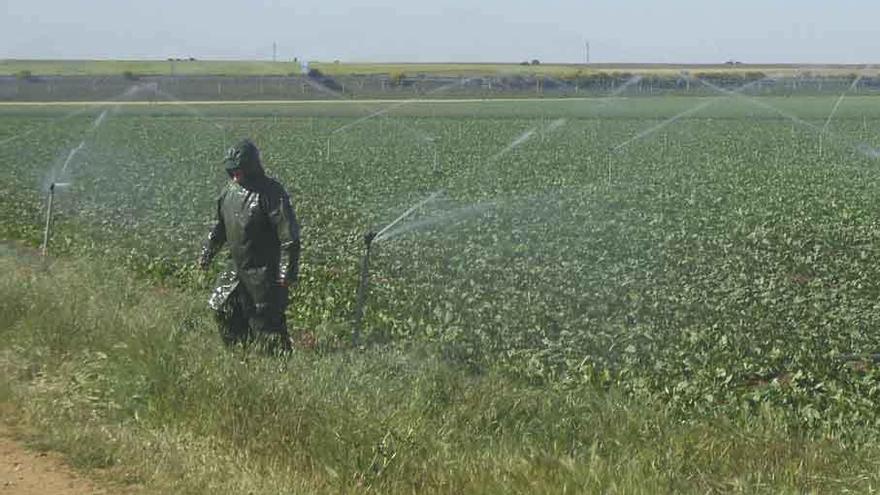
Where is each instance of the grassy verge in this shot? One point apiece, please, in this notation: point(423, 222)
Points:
point(130, 379)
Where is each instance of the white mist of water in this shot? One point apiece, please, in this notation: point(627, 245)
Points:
point(623, 87)
point(395, 106)
point(556, 124)
point(759, 103)
point(360, 104)
point(675, 118)
point(72, 154)
point(127, 93)
point(440, 218)
point(869, 151)
point(189, 108)
point(525, 136)
point(97, 123)
point(410, 211)
point(862, 148)
point(515, 143)
point(841, 98)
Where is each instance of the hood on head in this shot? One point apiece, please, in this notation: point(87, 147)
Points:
point(245, 156)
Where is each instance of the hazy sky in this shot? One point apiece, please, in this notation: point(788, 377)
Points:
point(796, 31)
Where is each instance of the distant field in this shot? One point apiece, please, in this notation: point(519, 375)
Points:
point(267, 68)
point(812, 108)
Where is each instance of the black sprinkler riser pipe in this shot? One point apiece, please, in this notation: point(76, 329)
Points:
point(44, 249)
point(363, 288)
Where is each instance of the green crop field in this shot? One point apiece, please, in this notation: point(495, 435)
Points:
point(716, 257)
point(49, 67)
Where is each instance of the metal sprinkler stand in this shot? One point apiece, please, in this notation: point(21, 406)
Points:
point(44, 249)
point(362, 289)
point(369, 237)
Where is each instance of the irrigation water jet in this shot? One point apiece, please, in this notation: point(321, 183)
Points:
point(623, 87)
point(329, 152)
point(865, 149)
point(363, 286)
point(118, 98)
point(839, 102)
point(97, 123)
point(681, 115)
point(389, 108)
point(525, 136)
point(444, 217)
point(406, 214)
point(71, 154)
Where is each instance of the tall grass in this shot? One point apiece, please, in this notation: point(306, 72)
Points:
point(130, 379)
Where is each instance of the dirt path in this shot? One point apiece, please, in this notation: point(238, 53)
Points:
point(393, 103)
point(24, 472)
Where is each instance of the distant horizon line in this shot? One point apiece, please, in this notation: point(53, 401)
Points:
point(734, 63)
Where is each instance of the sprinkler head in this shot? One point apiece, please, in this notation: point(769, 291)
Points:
point(368, 238)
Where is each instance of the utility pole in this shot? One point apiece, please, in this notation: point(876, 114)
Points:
point(587, 52)
point(274, 51)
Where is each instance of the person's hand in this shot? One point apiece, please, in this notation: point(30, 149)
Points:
point(203, 263)
point(287, 282)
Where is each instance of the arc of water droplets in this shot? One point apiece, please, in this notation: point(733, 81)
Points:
point(841, 98)
point(379, 236)
point(623, 87)
point(128, 92)
point(395, 106)
point(460, 213)
point(386, 233)
point(525, 136)
point(863, 148)
point(97, 123)
point(767, 106)
point(681, 115)
point(70, 155)
point(324, 89)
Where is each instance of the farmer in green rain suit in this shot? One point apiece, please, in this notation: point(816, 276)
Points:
point(256, 219)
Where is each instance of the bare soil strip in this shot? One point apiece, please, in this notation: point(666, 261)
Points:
point(288, 102)
point(25, 472)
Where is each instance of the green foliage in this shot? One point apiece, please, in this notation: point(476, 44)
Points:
point(722, 265)
point(130, 379)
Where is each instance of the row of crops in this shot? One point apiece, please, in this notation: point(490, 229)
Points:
point(724, 261)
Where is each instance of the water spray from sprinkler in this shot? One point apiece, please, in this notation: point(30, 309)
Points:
point(863, 148)
point(98, 121)
point(837, 104)
point(395, 106)
point(685, 113)
point(363, 286)
point(118, 98)
point(623, 87)
point(72, 154)
point(525, 136)
point(406, 214)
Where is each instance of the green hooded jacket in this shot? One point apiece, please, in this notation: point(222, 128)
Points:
point(256, 219)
